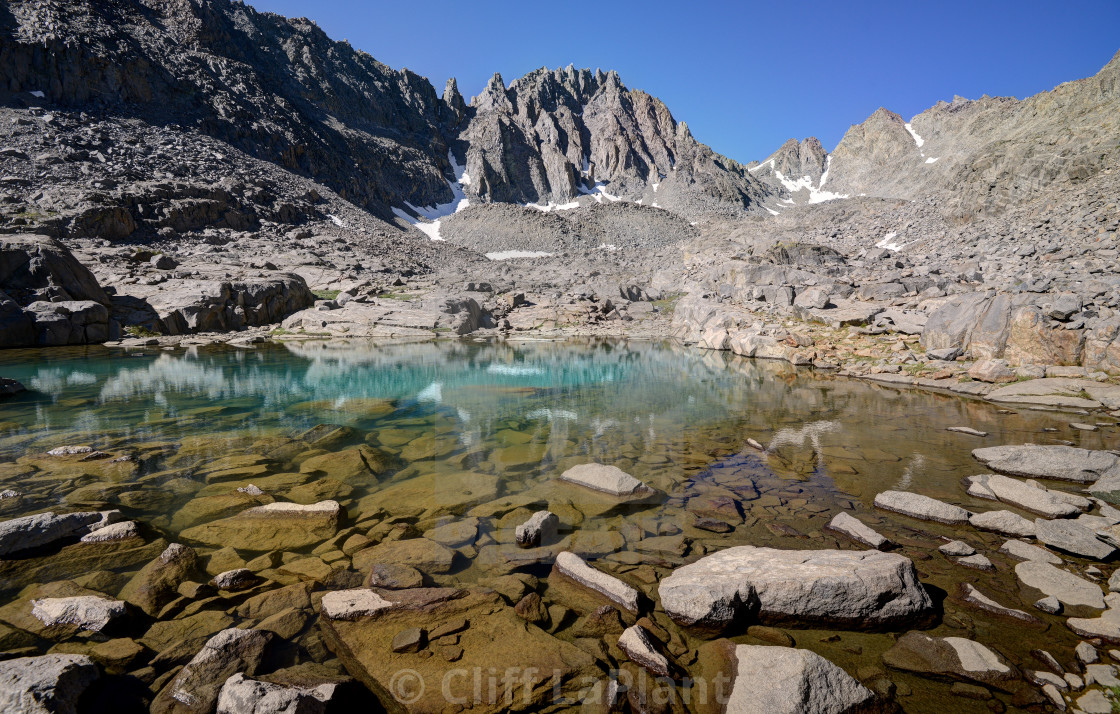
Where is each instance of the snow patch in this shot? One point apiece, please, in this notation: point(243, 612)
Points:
point(824, 174)
point(598, 193)
point(917, 139)
point(553, 206)
point(335, 220)
point(512, 254)
point(764, 163)
point(38, 94)
point(429, 216)
point(932, 159)
point(890, 243)
point(609, 247)
point(816, 195)
point(772, 211)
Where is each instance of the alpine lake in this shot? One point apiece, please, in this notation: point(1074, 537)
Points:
point(458, 443)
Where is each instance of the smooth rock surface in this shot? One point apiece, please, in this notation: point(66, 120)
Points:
point(606, 479)
point(1069, 589)
point(1074, 538)
point(1016, 493)
point(921, 507)
point(576, 568)
point(1061, 463)
point(858, 531)
point(842, 588)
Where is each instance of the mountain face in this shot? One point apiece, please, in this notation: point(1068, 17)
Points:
point(280, 90)
point(978, 156)
point(553, 136)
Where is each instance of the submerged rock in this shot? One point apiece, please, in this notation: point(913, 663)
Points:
point(274, 526)
point(1061, 463)
point(921, 507)
point(51, 684)
point(490, 636)
point(954, 657)
point(842, 588)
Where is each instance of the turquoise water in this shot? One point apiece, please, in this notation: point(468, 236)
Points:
point(200, 422)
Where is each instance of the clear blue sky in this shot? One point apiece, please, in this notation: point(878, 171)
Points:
point(746, 76)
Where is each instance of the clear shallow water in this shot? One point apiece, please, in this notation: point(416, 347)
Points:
point(512, 417)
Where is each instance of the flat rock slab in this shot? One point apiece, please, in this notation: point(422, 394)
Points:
point(495, 637)
point(275, 526)
point(1070, 590)
point(921, 507)
point(1066, 389)
point(1004, 523)
point(49, 684)
point(968, 593)
point(1060, 463)
point(1017, 493)
point(574, 567)
point(1106, 627)
point(953, 657)
point(607, 479)
point(1025, 551)
point(1072, 537)
point(838, 587)
point(424, 555)
point(855, 529)
point(784, 680)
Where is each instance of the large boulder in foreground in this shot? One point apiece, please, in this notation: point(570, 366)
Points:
point(1061, 463)
point(47, 297)
point(779, 680)
point(35, 267)
point(800, 587)
point(51, 684)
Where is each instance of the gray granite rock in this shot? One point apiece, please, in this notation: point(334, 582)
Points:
point(784, 680)
point(841, 588)
point(921, 507)
point(50, 684)
point(1061, 463)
